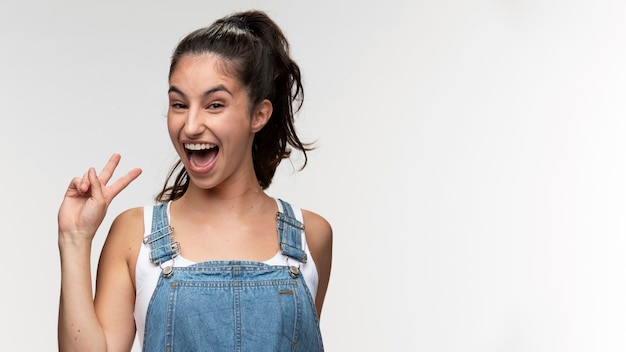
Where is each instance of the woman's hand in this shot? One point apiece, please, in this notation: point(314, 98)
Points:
point(87, 199)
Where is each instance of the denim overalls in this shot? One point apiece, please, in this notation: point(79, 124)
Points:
point(230, 305)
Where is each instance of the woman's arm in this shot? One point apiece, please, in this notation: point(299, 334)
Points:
point(115, 288)
point(319, 235)
point(81, 213)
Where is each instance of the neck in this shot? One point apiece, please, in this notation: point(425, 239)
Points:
point(224, 200)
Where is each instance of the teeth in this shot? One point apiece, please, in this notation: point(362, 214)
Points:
point(199, 146)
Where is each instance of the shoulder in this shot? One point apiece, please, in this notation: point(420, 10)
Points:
point(123, 243)
point(126, 231)
point(129, 221)
point(319, 234)
point(316, 225)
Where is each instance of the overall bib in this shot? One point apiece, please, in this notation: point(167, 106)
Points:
point(230, 305)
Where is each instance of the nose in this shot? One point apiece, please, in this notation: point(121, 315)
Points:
point(194, 125)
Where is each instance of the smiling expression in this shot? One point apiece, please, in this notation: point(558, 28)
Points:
point(210, 122)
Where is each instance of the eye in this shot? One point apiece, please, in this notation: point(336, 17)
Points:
point(178, 106)
point(214, 106)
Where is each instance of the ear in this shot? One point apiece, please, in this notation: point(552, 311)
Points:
point(261, 115)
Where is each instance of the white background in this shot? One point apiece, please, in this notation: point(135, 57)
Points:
point(471, 159)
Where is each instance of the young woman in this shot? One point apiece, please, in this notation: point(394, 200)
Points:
point(216, 264)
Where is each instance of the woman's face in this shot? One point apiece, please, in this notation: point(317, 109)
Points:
point(209, 121)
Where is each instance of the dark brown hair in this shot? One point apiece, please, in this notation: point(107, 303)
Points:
point(256, 52)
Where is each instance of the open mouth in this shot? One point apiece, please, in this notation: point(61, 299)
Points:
point(201, 155)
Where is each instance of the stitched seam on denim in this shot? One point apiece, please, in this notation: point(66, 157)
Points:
point(289, 231)
point(162, 248)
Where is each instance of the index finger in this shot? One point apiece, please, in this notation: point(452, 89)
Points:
point(109, 168)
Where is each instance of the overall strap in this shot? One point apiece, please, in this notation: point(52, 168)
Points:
point(290, 233)
point(162, 248)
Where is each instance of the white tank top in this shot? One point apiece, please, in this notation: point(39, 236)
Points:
point(147, 274)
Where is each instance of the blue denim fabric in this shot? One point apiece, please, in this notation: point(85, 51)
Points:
point(231, 305)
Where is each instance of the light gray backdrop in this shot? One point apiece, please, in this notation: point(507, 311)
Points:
point(471, 159)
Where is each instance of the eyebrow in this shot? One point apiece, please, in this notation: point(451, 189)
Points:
point(218, 88)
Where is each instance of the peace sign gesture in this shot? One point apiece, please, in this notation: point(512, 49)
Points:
point(87, 199)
